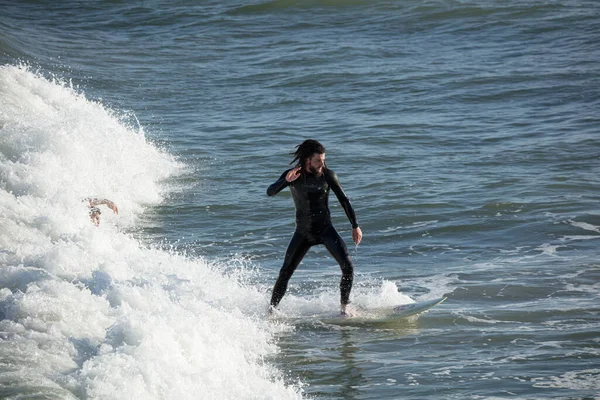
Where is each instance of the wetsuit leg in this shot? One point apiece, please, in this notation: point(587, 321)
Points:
point(296, 250)
point(336, 246)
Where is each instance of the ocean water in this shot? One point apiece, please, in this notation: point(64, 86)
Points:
point(465, 132)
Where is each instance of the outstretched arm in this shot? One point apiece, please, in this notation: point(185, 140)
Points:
point(93, 202)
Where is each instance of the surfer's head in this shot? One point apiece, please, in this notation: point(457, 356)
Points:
point(310, 155)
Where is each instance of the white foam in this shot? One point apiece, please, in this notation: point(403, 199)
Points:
point(367, 297)
point(586, 379)
point(88, 311)
point(549, 249)
point(391, 229)
point(579, 237)
point(585, 226)
point(593, 289)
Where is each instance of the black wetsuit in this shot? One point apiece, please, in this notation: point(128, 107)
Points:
point(313, 226)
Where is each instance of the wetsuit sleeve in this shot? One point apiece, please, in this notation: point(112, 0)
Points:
point(279, 185)
point(334, 184)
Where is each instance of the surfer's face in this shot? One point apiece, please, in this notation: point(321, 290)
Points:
point(315, 164)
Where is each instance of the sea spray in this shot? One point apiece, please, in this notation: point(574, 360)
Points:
point(90, 312)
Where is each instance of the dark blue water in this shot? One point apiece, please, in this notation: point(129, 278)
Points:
point(464, 132)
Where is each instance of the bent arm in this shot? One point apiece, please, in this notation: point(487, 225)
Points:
point(334, 184)
point(93, 202)
point(279, 185)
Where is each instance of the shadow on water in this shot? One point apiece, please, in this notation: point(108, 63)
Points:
point(337, 368)
point(345, 381)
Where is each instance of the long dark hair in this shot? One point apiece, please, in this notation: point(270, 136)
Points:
point(305, 150)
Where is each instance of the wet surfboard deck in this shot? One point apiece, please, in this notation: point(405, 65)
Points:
point(384, 315)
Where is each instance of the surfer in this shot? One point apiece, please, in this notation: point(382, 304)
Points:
point(310, 181)
point(95, 212)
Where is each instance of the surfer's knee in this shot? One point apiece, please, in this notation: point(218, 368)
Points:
point(347, 278)
point(347, 268)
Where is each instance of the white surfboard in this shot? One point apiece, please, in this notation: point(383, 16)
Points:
point(384, 315)
point(406, 310)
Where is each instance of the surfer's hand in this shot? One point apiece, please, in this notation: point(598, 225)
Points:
point(356, 235)
point(293, 174)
